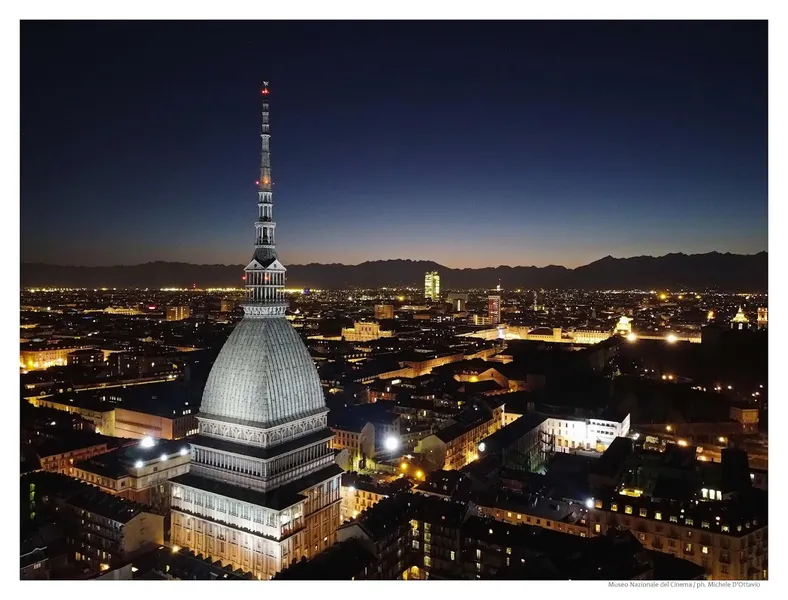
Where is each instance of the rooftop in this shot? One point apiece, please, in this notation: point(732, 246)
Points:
point(342, 561)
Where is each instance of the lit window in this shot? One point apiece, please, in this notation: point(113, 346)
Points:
point(658, 516)
point(704, 524)
point(478, 553)
point(689, 521)
point(597, 528)
point(725, 529)
point(614, 506)
point(628, 510)
point(643, 512)
point(704, 549)
point(519, 516)
point(427, 561)
point(674, 519)
point(598, 504)
point(509, 515)
point(451, 554)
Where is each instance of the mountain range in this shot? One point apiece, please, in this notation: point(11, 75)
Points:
point(714, 270)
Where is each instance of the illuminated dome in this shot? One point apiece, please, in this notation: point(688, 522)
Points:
point(263, 376)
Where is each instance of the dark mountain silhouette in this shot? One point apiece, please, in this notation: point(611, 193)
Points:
point(725, 272)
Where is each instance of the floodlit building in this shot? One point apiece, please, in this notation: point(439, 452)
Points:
point(263, 489)
point(432, 286)
point(457, 445)
point(364, 331)
point(34, 357)
point(763, 317)
point(568, 434)
point(178, 313)
point(740, 321)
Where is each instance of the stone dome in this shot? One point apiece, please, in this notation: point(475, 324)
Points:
point(263, 376)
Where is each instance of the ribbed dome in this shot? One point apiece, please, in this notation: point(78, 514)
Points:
point(263, 375)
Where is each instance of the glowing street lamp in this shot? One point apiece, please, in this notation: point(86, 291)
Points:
point(391, 443)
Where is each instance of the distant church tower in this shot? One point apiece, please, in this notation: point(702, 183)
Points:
point(263, 489)
point(740, 321)
point(763, 317)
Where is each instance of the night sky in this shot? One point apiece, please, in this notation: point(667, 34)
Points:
point(471, 144)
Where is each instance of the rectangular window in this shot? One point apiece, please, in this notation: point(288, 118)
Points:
point(658, 516)
point(451, 554)
point(674, 519)
point(427, 561)
point(628, 510)
point(643, 512)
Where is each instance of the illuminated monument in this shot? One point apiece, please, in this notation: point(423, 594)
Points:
point(263, 489)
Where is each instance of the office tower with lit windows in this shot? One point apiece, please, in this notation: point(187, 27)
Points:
point(432, 286)
point(263, 489)
point(494, 309)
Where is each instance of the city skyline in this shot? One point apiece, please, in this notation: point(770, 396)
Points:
point(576, 141)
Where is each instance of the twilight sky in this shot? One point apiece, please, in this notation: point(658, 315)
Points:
point(468, 143)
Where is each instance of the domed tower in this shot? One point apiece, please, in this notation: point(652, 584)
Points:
point(263, 489)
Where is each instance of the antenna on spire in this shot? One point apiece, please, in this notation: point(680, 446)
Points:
point(265, 87)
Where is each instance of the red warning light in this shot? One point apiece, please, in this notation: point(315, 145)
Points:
point(243, 277)
point(257, 183)
point(265, 91)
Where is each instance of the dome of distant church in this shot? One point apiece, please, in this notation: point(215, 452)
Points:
point(263, 376)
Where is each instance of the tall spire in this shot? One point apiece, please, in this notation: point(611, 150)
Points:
point(265, 275)
point(265, 226)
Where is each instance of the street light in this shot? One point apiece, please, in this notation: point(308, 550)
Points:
point(391, 443)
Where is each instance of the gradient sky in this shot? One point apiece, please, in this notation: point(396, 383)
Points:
point(471, 144)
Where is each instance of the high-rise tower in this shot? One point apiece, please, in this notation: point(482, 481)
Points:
point(432, 286)
point(263, 489)
point(494, 309)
